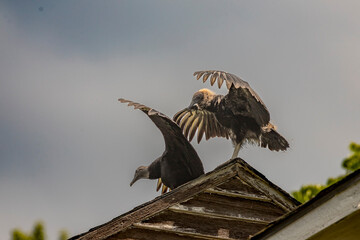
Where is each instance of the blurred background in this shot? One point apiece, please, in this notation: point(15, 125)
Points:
point(69, 149)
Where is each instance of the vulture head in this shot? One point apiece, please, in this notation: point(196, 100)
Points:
point(141, 172)
point(201, 99)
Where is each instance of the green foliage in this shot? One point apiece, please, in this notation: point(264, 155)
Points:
point(38, 233)
point(350, 164)
point(307, 192)
point(63, 235)
point(19, 235)
point(333, 180)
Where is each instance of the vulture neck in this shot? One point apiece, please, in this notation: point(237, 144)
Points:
point(155, 169)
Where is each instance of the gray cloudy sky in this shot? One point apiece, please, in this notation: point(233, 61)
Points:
point(68, 149)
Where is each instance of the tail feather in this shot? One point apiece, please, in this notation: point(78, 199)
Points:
point(271, 139)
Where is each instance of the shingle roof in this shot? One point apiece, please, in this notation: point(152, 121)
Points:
point(233, 201)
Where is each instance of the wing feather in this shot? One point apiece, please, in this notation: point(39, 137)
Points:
point(221, 79)
point(201, 128)
point(206, 127)
point(135, 104)
point(202, 121)
point(217, 129)
point(188, 124)
point(206, 76)
point(166, 125)
point(185, 120)
point(213, 79)
point(230, 78)
point(257, 108)
point(198, 74)
point(178, 116)
point(194, 126)
point(228, 84)
point(212, 127)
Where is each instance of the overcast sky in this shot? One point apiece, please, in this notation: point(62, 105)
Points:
point(69, 149)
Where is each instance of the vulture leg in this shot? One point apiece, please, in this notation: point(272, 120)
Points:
point(236, 150)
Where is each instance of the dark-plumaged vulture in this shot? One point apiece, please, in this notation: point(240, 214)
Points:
point(179, 163)
point(240, 115)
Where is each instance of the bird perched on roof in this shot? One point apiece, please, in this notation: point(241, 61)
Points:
point(179, 163)
point(240, 115)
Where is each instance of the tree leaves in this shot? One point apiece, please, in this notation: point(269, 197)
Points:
point(350, 164)
point(38, 233)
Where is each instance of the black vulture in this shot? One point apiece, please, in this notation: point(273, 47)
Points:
point(240, 115)
point(179, 163)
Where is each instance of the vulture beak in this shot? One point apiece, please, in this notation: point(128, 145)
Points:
point(136, 177)
point(193, 106)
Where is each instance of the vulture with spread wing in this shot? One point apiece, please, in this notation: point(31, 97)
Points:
point(240, 115)
point(179, 163)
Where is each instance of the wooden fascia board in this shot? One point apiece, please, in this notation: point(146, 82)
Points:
point(178, 232)
point(346, 228)
point(349, 187)
point(217, 216)
point(258, 181)
point(238, 195)
point(161, 203)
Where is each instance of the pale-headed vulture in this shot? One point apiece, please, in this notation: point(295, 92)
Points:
point(240, 115)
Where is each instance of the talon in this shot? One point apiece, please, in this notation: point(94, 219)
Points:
point(159, 183)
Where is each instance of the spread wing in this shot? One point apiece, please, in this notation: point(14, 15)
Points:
point(174, 139)
point(202, 121)
point(240, 95)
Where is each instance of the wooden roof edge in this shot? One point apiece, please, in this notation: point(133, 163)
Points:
point(282, 198)
point(238, 195)
point(158, 204)
point(179, 232)
point(305, 208)
point(218, 216)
